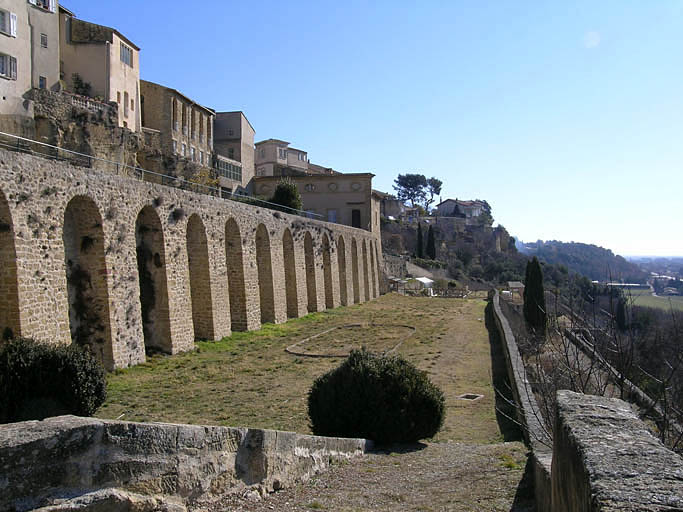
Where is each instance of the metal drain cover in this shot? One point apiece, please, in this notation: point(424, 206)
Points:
point(470, 396)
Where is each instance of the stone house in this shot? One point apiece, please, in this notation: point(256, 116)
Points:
point(234, 152)
point(389, 206)
point(29, 56)
point(105, 60)
point(274, 157)
point(342, 198)
point(468, 209)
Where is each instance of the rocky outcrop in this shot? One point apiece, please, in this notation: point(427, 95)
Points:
point(604, 458)
point(73, 463)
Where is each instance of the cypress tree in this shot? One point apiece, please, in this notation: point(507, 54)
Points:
point(534, 297)
point(621, 314)
point(431, 244)
point(419, 252)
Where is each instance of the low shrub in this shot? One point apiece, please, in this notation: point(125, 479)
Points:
point(383, 398)
point(39, 380)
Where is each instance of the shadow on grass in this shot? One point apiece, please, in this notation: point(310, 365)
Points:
point(505, 408)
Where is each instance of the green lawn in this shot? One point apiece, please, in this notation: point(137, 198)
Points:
point(645, 298)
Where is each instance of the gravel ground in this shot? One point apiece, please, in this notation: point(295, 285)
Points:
point(432, 477)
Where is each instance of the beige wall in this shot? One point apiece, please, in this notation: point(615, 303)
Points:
point(45, 61)
point(234, 138)
point(125, 79)
point(267, 157)
point(331, 196)
point(11, 101)
point(88, 60)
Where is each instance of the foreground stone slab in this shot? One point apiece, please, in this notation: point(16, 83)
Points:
point(58, 461)
point(604, 458)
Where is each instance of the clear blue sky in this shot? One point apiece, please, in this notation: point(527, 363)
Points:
point(566, 116)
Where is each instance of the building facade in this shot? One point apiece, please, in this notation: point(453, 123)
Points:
point(340, 198)
point(104, 61)
point(458, 208)
point(274, 157)
point(234, 151)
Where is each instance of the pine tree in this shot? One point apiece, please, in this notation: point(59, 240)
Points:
point(419, 252)
point(431, 244)
point(534, 297)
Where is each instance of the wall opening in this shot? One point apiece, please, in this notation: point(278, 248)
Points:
point(311, 290)
point(373, 274)
point(236, 289)
point(290, 274)
point(365, 271)
point(200, 280)
point(377, 265)
point(149, 238)
point(327, 273)
point(265, 275)
point(341, 265)
point(86, 279)
point(354, 271)
point(355, 218)
point(9, 289)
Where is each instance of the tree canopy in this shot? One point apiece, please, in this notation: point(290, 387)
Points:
point(286, 194)
point(434, 189)
point(411, 187)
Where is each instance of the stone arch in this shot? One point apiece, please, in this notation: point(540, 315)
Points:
point(9, 288)
point(200, 280)
point(311, 289)
point(378, 266)
point(235, 263)
point(151, 256)
point(86, 279)
point(341, 265)
point(327, 273)
point(265, 274)
point(365, 271)
point(373, 274)
point(354, 271)
point(289, 264)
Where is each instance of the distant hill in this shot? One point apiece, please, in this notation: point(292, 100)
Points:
point(596, 263)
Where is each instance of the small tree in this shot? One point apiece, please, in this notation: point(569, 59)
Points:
point(81, 87)
point(286, 194)
point(431, 244)
point(419, 250)
point(434, 189)
point(534, 297)
point(411, 187)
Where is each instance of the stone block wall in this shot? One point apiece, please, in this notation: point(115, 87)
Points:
point(66, 461)
point(130, 242)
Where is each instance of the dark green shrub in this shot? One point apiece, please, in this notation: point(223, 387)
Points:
point(383, 398)
point(287, 195)
point(39, 380)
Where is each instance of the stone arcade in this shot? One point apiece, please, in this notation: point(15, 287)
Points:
point(125, 266)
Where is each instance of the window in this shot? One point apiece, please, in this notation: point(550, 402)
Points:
point(192, 124)
point(42, 82)
point(331, 215)
point(184, 111)
point(184, 149)
point(8, 67)
point(310, 187)
point(262, 152)
point(132, 104)
point(191, 153)
point(126, 55)
point(302, 156)
point(43, 40)
point(228, 170)
point(282, 153)
point(50, 5)
point(231, 133)
point(118, 97)
point(201, 157)
point(355, 218)
point(125, 104)
point(175, 146)
point(231, 153)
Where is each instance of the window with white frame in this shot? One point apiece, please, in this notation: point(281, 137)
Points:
point(8, 67)
point(8, 23)
point(201, 157)
point(50, 5)
point(184, 149)
point(192, 153)
point(175, 146)
point(126, 54)
point(282, 153)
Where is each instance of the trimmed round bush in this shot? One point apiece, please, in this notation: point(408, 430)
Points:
point(383, 398)
point(38, 380)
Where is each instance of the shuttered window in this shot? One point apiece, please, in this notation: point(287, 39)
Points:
point(8, 23)
point(8, 67)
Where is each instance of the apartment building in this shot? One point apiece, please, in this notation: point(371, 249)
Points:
point(185, 127)
point(275, 157)
point(29, 54)
point(104, 59)
point(341, 198)
point(234, 152)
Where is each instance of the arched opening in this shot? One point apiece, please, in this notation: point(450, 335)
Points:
point(265, 275)
point(149, 239)
point(373, 275)
point(234, 261)
point(200, 281)
point(327, 273)
point(310, 273)
point(9, 290)
point(290, 274)
point(341, 264)
point(365, 271)
point(86, 279)
point(354, 271)
point(377, 264)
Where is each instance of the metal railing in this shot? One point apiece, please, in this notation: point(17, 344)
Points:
point(19, 144)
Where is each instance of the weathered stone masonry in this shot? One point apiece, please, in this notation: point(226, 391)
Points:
point(124, 266)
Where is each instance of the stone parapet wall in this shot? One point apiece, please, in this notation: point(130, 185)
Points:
point(82, 247)
point(62, 459)
point(605, 458)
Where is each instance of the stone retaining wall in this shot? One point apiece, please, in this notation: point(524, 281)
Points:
point(67, 461)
